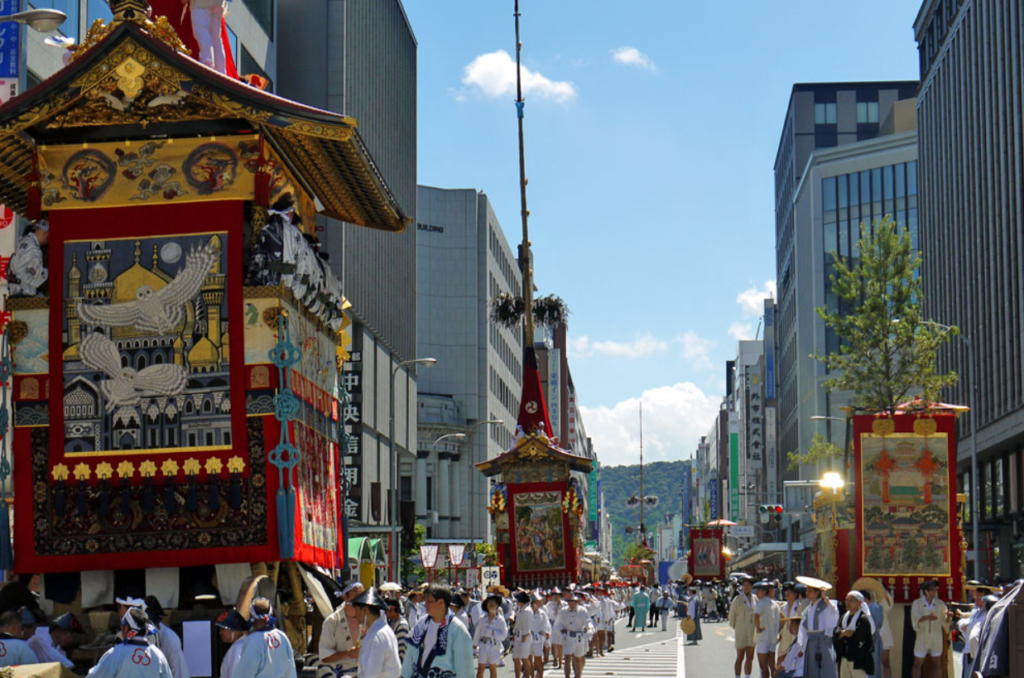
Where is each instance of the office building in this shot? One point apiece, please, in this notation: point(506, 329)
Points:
point(847, 156)
point(464, 261)
point(818, 117)
point(972, 234)
point(359, 59)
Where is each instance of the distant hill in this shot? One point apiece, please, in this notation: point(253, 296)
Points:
point(661, 478)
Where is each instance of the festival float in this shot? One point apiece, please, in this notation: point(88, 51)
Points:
point(537, 506)
point(174, 386)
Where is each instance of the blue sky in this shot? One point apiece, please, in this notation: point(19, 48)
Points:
point(652, 128)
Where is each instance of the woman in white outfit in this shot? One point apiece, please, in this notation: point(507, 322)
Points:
point(491, 631)
point(522, 650)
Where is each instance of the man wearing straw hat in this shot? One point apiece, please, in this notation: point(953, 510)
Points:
point(741, 619)
point(817, 623)
point(792, 606)
point(928, 617)
point(791, 659)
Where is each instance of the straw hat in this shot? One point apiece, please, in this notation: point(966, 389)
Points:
point(688, 626)
point(687, 578)
point(812, 583)
point(878, 591)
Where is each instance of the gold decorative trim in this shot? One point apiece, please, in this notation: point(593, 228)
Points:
point(26, 303)
point(263, 292)
point(162, 450)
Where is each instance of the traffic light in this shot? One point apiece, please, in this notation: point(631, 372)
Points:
point(770, 513)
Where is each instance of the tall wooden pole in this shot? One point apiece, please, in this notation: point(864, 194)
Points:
point(527, 254)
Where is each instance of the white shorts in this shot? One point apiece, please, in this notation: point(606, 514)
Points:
point(765, 647)
point(522, 647)
point(489, 653)
point(537, 644)
point(887, 639)
point(925, 646)
point(574, 645)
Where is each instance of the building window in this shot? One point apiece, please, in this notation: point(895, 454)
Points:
point(824, 114)
point(867, 112)
point(263, 12)
point(406, 488)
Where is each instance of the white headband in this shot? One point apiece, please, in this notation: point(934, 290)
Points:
point(350, 587)
point(133, 626)
point(856, 594)
point(255, 615)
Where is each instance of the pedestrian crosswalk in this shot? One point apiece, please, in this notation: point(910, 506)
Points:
point(652, 660)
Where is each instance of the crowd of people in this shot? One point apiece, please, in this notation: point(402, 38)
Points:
point(794, 630)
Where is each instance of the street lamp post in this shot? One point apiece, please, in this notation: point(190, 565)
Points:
point(42, 20)
point(834, 482)
point(396, 524)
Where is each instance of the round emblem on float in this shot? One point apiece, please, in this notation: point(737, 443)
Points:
point(531, 407)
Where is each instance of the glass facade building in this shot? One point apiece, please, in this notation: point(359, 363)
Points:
point(850, 201)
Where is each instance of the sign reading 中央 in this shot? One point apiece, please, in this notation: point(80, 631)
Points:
point(10, 41)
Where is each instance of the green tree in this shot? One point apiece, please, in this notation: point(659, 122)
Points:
point(409, 567)
point(489, 553)
point(931, 559)
point(875, 558)
point(637, 552)
point(820, 450)
point(888, 350)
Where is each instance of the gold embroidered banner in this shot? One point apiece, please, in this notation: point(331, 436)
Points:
point(164, 171)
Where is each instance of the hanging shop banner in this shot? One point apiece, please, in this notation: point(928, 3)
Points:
point(10, 41)
point(456, 553)
point(906, 517)
point(706, 559)
point(428, 554)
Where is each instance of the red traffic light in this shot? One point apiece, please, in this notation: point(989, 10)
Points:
point(778, 508)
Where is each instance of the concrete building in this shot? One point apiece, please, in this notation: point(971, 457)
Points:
point(972, 167)
point(464, 261)
point(748, 458)
point(819, 116)
point(839, 188)
point(359, 59)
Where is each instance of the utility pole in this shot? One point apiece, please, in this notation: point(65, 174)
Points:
point(643, 529)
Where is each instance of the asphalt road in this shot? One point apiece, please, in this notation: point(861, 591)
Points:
point(650, 653)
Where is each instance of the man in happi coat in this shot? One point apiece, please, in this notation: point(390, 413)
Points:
point(14, 651)
point(52, 641)
point(133, 657)
point(791, 658)
point(741, 619)
point(378, 650)
point(554, 606)
point(572, 626)
point(766, 628)
point(27, 272)
point(819, 620)
point(440, 645)
point(232, 628)
point(928, 617)
point(168, 640)
point(970, 626)
point(266, 652)
point(339, 655)
point(792, 606)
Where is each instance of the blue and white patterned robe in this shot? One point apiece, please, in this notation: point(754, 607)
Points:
point(451, 656)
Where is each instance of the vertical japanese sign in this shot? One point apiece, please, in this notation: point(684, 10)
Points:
point(351, 418)
point(686, 492)
point(771, 452)
point(554, 391)
point(734, 475)
point(592, 499)
point(713, 496)
point(769, 349)
point(10, 71)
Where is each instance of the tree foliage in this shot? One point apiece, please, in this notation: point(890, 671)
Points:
point(489, 553)
point(636, 552)
point(888, 350)
point(820, 450)
point(409, 567)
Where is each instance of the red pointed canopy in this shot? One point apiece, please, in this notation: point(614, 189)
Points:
point(533, 411)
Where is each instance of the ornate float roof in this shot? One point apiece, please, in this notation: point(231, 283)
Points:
point(129, 81)
point(533, 448)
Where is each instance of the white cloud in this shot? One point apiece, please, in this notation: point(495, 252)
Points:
point(494, 74)
point(752, 300)
point(675, 417)
point(741, 331)
point(640, 347)
point(697, 350)
point(631, 56)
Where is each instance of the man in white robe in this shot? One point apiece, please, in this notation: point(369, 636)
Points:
point(378, 650)
point(339, 654)
point(133, 657)
point(232, 627)
point(52, 642)
point(167, 639)
point(13, 650)
point(266, 652)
